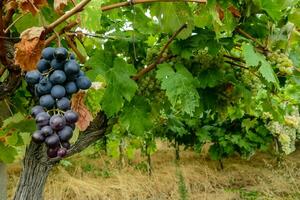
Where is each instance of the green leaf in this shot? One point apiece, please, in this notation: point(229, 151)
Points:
point(251, 57)
point(99, 63)
point(91, 16)
point(255, 59)
point(215, 152)
point(136, 116)
point(15, 140)
point(172, 16)
point(210, 78)
point(19, 123)
point(294, 17)
point(120, 86)
point(267, 72)
point(27, 21)
point(275, 8)
point(7, 153)
point(180, 88)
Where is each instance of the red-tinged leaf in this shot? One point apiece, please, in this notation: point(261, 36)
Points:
point(85, 117)
point(32, 6)
point(59, 5)
point(234, 11)
point(28, 50)
point(220, 12)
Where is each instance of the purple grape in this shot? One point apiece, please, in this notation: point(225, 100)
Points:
point(58, 77)
point(42, 119)
point(58, 91)
point(33, 77)
point(47, 130)
point(47, 101)
point(43, 65)
point(56, 64)
point(65, 134)
point(71, 125)
point(36, 110)
point(52, 152)
point(62, 152)
point(52, 141)
point(63, 103)
point(71, 87)
point(81, 73)
point(71, 68)
point(72, 56)
point(61, 53)
point(66, 145)
point(48, 52)
point(83, 83)
point(57, 122)
point(38, 137)
point(71, 116)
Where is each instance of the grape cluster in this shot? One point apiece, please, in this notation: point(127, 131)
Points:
point(57, 77)
point(149, 86)
point(282, 62)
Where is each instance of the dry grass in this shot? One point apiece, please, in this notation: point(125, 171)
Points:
point(101, 179)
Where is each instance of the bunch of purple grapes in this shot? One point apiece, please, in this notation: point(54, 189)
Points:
point(57, 77)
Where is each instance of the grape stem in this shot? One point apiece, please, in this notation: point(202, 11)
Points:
point(48, 72)
point(60, 32)
point(243, 67)
point(67, 15)
point(134, 2)
point(71, 44)
point(160, 58)
point(247, 35)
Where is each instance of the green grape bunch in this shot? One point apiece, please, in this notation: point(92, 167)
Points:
point(149, 86)
point(282, 62)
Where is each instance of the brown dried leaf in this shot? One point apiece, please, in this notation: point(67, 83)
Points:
point(234, 11)
point(85, 117)
point(32, 6)
point(11, 5)
point(220, 12)
point(59, 5)
point(28, 50)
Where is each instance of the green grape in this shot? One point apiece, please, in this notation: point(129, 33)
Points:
point(281, 62)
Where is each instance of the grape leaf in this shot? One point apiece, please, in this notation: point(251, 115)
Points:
point(7, 153)
point(172, 16)
point(267, 71)
point(85, 117)
point(180, 87)
point(32, 5)
point(28, 20)
point(210, 78)
point(252, 59)
point(94, 96)
point(274, 8)
point(100, 62)
point(19, 123)
point(136, 116)
point(120, 86)
point(91, 16)
point(59, 5)
point(28, 50)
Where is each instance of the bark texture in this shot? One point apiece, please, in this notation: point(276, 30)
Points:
point(34, 174)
